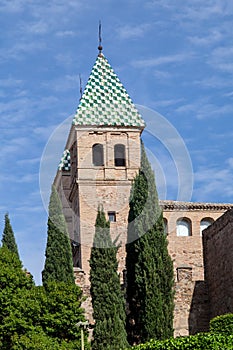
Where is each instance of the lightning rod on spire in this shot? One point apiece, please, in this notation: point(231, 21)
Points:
point(80, 86)
point(100, 48)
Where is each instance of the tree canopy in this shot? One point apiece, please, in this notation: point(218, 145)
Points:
point(8, 237)
point(58, 262)
point(32, 317)
point(149, 266)
point(107, 298)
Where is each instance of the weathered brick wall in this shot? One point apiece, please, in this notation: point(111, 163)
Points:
point(105, 185)
point(187, 251)
point(218, 260)
point(89, 186)
point(191, 304)
point(191, 299)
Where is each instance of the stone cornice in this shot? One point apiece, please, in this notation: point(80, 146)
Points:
point(176, 205)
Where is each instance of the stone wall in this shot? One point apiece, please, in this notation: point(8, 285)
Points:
point(191, 304)
point(191, 299)
point(218, 260)
point(110, 186)
point(107, 185)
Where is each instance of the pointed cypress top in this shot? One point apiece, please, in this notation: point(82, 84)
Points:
point(8, 237)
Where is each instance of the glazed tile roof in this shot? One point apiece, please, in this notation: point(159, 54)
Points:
point(65, 161)
point(178, 205)
point(105, 102)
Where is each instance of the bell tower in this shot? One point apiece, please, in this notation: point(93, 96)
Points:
point(100, 161)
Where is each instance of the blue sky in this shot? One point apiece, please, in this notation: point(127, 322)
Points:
point(174, 57)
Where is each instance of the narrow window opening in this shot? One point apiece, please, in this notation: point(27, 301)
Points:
point(98, 154)
point(183, 227)
point(165, 226)
point(119, 155)
point(112, 216)
point(206, 222)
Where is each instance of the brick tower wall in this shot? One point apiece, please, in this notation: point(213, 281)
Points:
point(218, 260)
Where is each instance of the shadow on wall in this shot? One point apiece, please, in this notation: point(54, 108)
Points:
point(199, 316)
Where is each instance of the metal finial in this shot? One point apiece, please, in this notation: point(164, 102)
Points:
point(100, 48)
point(80, 86)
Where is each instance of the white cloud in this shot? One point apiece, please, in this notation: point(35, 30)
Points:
point(29, 208)
point(128, 32)
point(28, 178)
point(229, 94)
point(157, 61)
point(193, 11)
point(44, 132)
point(215, 81)
point(18, 109)
point(20, 49)
point(10, 82)
point(66, 83)
point(203, 109)
point(65, 33)
point(64, 59)
point(214, 182)
point(12, 6)
point(211, 110)
point(206, 40)
point(230, 162)
point(221, 59)
point(162, 74)
point(166, 103)
point(38, 27)
point(29, 161)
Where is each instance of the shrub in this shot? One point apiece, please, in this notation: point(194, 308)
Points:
point(202, 341)
point(222, 324)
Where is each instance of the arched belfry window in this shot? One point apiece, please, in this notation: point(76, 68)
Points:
point(119, 155)
point(206, 222)
point(97, 154)
point(183, 227)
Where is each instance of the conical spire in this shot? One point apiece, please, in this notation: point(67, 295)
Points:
point(105, 102)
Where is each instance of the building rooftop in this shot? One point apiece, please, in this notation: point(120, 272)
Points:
point(177, 205)
point(105, 102)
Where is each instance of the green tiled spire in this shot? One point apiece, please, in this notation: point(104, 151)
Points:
point(105, 102)
point(65, 161)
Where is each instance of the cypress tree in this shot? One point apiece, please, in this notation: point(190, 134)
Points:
point(58, 262)
point(8, 237)
point(107, 297)
point(149, 266)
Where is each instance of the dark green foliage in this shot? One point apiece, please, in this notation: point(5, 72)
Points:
point(32, 317)
point(8, 238)
point(107, 298)
point(62, 310)
point(58, 263)
point(13, 281)
point(149, 266)
point(36, 339)
point(12, 277)
point(205, 341)
point(222, 324)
